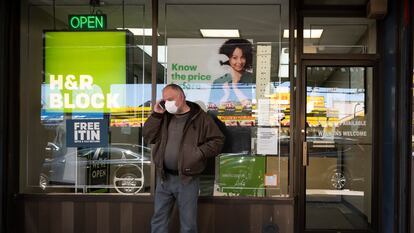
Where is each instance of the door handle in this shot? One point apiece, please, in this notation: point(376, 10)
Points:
point(305, 160)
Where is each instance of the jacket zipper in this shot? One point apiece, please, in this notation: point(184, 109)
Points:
point(164, 144)
point(190, 121)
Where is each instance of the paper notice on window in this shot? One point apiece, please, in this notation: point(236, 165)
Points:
point(270, 180)
point(268, 112)
point(267, 141)
point(264, 112)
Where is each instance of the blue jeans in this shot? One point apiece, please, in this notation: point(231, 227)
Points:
point(166, 193)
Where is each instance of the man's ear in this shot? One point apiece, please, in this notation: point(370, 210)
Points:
point(183, 96)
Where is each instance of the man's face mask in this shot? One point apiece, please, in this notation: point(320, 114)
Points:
point(171, 107)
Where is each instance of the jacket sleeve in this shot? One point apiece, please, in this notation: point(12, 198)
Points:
point(152, 128)
point(214, 139)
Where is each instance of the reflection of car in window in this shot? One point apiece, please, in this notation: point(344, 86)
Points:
point(334, 163)
point(122, 167)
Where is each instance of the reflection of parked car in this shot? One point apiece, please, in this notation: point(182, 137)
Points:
point(336, 162)
point(123, 167)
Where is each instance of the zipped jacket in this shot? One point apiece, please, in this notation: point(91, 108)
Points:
point(202, 139)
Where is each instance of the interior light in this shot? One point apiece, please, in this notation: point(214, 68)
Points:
point(220, 32)
point(140, 31)
point(307, 33)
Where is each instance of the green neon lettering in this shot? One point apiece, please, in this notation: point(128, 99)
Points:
point(87, 22)
point(99, 21)
point(72, 21)
point(91, 22)
point(83, 20)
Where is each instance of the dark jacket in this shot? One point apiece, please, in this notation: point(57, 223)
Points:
point(201, 139)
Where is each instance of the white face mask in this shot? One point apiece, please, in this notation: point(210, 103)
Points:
point(170, 107)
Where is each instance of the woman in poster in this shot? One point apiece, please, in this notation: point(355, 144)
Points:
point(235, 86)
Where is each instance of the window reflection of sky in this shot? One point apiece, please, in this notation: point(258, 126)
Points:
point(138, 95)
point(135, 95)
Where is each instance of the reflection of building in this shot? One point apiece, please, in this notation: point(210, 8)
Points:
point(132, 116)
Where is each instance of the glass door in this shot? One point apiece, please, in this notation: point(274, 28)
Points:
point(337, 154)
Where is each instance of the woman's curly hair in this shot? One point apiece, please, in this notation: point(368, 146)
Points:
point(230, 45)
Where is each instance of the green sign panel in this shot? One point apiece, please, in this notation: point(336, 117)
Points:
point(242, 175)
point(80, 69)
point(87, 22)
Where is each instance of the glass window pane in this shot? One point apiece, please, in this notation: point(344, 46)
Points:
point(339, 35)
point(339, 136)
point(242, 81)
point(85, 76)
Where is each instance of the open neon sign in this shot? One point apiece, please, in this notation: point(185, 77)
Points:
point(87, 22)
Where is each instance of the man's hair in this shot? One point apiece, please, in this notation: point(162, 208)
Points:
point(176, 88)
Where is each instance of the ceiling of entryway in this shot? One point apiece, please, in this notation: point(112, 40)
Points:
point(262, 21)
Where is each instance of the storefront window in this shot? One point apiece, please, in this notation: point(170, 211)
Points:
point(204, 55)
point(85, 94)
point(89, 69)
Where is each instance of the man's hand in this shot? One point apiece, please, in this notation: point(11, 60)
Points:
point(157, 107)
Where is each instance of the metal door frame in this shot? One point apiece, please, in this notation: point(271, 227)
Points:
point(346, 60)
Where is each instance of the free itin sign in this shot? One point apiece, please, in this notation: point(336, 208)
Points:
point(87, 133)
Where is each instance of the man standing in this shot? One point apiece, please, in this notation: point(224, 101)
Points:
point(184, 137)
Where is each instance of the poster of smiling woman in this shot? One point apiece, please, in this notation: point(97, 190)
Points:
point(216, 72)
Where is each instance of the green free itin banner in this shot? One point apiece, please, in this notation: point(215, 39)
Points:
point(80, 67)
